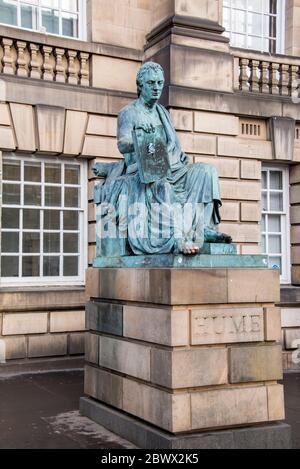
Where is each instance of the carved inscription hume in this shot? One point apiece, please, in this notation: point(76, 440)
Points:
point(227, 325)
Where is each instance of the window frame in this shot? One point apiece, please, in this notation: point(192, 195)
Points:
point(285, 277)
point(78, 280)
point(82, 27)
point(280, 28)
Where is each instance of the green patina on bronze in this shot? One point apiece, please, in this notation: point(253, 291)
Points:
point(156, 172)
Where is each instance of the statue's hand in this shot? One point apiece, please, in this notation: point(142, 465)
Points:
point(148, 128)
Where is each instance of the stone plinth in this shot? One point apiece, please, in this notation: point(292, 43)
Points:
point(185, 350)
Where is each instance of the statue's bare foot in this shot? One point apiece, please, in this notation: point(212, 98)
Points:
point(213, 236)
point(189, 249)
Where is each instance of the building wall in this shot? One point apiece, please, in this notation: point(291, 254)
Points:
point(83, 85)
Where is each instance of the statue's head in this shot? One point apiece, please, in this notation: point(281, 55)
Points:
point(150, 81)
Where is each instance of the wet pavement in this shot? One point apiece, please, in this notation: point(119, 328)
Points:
point(41, 411)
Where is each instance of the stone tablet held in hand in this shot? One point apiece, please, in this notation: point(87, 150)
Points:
point(152, 154)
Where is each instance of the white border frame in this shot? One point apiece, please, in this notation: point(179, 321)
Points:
point(82, 25)
point(285, 278)
point(83, 227)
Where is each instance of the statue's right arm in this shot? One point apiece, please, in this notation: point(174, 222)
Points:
point(125, 128)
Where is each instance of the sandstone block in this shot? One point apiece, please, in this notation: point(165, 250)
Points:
point(66, 321)
point(215, 123)
point(24, 126)
point(189, 368)
point(255, 363)
point(102, 125)
point(7, 138)
point(250, 249)
point(114, 74)
point(259, 285)
point(104, 317)
point(24, 323)
point(250, 211)
point(272, 319)
point(295, 174)
point(295, 194)
point(290, 317)
point(15, 347)
point(92, 348)
point(227, 407)
point(47, 345)
point(128, 358)
point(170, 412)
point(230, 211)
point(51, 125)
point(76, 122)
point(77, 343)
point(295, 254)
point(103, 386)
point(166, 326)
point(182, 120)
point(4, 114)
point(250, 169)
point(296, 275)
point(242, 232)
point(275, 402)
point(100, 146)
point(244, 148)
point(240, 190)
point(295, 234)
point(195, 143)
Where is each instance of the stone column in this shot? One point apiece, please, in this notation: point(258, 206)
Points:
point(186, 39)
point(194, 351)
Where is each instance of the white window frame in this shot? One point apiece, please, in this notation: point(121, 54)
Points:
point(280, 27)
point(83, 227)
point(285, 277)
point(82, 30)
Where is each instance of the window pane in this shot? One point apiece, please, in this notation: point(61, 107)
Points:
point(254, 5)
point(70, 266)
point(226, 18)
point(8, 12)
point(71, 174)
point(51, 266)
point(276, 180)
point(32, 171)
point(10, 242)
point(264, 180)
point(71, 197)
point(9, 265)
point(11, 170)
point(276, 202)
point(263, 223)
point(32, 195)
point(71, 220)
point(255, 43)
point(53, 173)
point(50, 3)
point(11, 194)
point(28, 17)
point(69, 5)
point(238, 40)
point(51, 242)
point(30, 266)
point(53, 196)
point(238, 3)
point(10, 218)
point(274, 223)
point(71, 242)
point(69, 25)
point(31, 219)
point(254, 24)
point(51, 219)
point(31, 242)
point(239, 21)
point(275, 244)
point(50, 21)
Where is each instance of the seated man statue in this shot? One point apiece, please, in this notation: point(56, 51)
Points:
point(154, 179)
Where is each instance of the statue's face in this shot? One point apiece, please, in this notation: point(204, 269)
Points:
point(153, 84)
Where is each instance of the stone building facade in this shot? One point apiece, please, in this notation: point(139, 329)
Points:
point(66, 70)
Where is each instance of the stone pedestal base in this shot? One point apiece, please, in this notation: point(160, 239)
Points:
point(272, 436)
point(186, 351)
